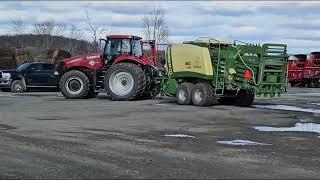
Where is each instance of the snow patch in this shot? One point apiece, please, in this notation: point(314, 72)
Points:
point(303, 94)
point(239, 142)
point(287, 108)
point(179, 135)
point(318, 104)
point(298, 127)
point(4, 95)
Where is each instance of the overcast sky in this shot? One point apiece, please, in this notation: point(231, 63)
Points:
point(294, 23)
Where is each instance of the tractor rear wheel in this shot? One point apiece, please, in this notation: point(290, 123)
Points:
point(74, 84)
point(183, 93)
point(125, 81)
point(202, 94)
point(245, 98)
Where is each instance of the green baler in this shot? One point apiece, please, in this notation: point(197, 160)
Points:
point(197, 72)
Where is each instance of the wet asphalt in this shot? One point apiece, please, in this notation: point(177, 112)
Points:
point(43, 135)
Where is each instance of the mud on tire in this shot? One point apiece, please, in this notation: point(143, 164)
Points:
point(202, 94)
point(125, 81)
point(183, 93)
point(74, 84)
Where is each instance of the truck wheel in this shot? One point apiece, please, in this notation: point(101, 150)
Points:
point(17, 86)
point(245, 99)
point(202, 94)
point(183, 93)
point(125, 81)
point(74, 85)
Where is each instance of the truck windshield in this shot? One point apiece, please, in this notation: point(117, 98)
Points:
point(23, 67)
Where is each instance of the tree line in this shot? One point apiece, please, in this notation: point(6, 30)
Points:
point(49, 34)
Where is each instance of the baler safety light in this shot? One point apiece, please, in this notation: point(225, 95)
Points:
point(247, 75)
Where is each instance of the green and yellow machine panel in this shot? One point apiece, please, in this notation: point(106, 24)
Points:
point(185, 60)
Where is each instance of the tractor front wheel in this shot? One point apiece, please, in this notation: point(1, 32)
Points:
point(74, 84)
point(202, 94)
point(125, 81)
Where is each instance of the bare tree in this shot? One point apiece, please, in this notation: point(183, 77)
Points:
point(18, 25)
point(18, 28)
point(155, 26)
point(44, 27)
point(96, 30)
point(74, 33)
point(48, 28)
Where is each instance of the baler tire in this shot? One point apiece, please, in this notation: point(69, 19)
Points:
point(184, 99)
point(139, 81)
point(206, 91)
point(17, 86)
point(245, 99)
point(78, 76)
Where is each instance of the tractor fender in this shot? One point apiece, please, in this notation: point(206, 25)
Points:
point(128, 59)
point(143, 60)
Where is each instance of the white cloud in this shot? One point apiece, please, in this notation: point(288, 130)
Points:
point(294, 23)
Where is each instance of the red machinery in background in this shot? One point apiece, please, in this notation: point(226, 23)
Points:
point(304, 70)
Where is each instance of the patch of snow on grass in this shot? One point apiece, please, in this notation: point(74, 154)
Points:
point(299, 127)
point(179, 135)
point(239, 142)
point(287, 108)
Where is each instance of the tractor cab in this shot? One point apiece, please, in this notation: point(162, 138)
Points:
point(117, 45)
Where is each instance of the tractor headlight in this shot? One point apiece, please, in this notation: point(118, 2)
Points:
point(6, 75)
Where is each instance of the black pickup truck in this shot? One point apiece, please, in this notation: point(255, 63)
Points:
point(28, 75)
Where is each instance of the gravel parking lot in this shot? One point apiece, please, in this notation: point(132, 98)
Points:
point(43, 135)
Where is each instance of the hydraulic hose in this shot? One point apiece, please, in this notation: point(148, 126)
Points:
point(253, 76)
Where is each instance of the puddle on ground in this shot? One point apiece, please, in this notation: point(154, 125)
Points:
point(298, 127)
point(239, 142)
point(179, 135)
point(287, 108)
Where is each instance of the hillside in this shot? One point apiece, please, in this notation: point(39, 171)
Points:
point(18, 49)
point(44, 42)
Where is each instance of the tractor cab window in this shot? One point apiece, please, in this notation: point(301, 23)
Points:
point(126, 46)
point(113, 47)
point(117, 47)
point(136, 48)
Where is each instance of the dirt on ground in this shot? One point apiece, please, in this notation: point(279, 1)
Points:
point(44, 135)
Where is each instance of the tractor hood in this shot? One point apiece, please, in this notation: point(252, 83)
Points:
point(91, 61)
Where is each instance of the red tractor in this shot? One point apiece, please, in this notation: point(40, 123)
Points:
point(120, 68)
